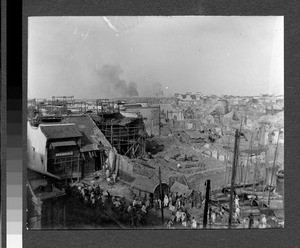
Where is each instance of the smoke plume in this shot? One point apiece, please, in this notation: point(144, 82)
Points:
point(113, 85)
point(157, 89)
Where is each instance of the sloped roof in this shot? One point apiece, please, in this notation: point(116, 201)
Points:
point(145, 184)
point(42, 171)
point(52, 194)
point(180, 188)
point(60, 131)
point(92, 135)
point(167, 107)
point(193, 134)
point(130, 106)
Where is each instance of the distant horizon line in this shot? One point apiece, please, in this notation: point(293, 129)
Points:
point(160, 97)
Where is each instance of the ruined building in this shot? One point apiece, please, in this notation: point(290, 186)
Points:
point(126, 134)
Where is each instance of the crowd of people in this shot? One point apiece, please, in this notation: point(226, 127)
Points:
point(135, 213)
point(95, 198)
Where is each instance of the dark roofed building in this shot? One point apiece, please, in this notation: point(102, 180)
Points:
point(60, 131)
point(91, 134)
point(93, 142)
point(55, 148)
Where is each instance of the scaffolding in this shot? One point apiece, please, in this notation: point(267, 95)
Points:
point(105, 106)
point(129, 140)
point(62, 102)
point(81, 106)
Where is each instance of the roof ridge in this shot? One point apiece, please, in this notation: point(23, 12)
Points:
point(58, 124)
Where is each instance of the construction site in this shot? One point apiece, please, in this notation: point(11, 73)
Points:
point(184, 162)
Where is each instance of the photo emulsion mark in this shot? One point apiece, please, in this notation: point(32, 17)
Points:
point(155, 123)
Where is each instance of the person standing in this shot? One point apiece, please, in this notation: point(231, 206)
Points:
point(170, 224)
point(251, 220)
point(263, 221)
point(213, 217)
point(209, 214)
point(135, 202)
point(174, 199)
point(156, 204)
point(200, 199)
point(184, 219)
point(107, 173)
point(166, 201)
point(159, 203)
point(194, 223)
point(238, 211)
point(178, 205)
point(114, 176)
point(193, 199)
point(236, 201)
point(144, 209)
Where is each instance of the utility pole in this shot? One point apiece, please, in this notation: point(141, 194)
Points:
point(159, 121)
point(207, 183)
point(235, 159)
point(273, 168)
point(161, 196)
point(249, 155)
point(226, 166)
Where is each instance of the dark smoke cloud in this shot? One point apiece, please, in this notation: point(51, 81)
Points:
point(157, 89)
point(113, 85)
point(132, 89)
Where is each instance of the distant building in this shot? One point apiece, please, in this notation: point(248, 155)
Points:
point(188, 97)
point(221, 107)
point(150, 114)
point(171, 113)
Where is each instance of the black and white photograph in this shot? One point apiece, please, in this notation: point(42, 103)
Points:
point(155, 122)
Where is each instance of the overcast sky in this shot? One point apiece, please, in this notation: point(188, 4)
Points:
point(81, 56)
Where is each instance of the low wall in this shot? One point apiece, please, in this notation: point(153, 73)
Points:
point(125, 165)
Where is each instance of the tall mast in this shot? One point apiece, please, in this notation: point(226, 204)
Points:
point(226, 169)
point(161, 196)
point(249, 154)
point(273, 167)
point(207, 183)
point(235, 158)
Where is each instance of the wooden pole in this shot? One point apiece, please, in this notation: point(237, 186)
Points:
point(161, 196)
point(65, 170)
point(206, 203)
point(249, 154)
point(78, 168)
point(226, 169)
point(254, 175)
point(272, 175)
point(64, 213)
point(235, 158)
point(159, 122)
point(111, 135)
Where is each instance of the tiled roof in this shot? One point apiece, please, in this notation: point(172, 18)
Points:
point(144, 184)
point(92, 135)
point(60, 131)
point(180, 188)
point(48, 195)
